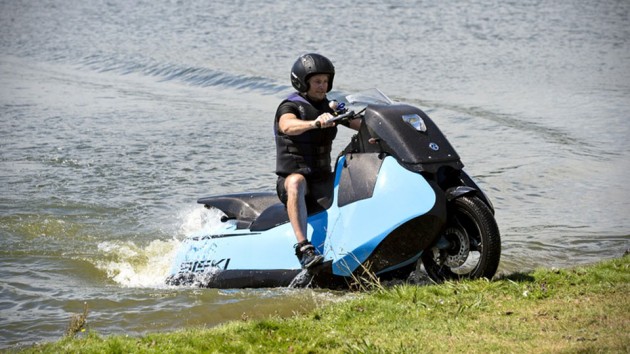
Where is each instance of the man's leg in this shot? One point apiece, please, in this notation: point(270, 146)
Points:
point(295, 185)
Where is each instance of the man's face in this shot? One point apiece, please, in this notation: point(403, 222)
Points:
point(318, 86)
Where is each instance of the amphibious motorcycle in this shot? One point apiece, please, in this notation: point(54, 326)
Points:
point(400, 197)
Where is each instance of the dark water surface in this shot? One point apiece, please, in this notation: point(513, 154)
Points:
point(115, 116)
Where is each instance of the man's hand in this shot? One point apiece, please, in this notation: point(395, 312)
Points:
point(323, 121)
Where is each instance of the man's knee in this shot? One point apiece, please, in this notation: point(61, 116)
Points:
point(295, 183)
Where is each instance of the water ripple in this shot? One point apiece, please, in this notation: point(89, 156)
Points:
point(194, 76)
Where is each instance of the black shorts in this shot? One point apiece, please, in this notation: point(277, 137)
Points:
point(319, 192)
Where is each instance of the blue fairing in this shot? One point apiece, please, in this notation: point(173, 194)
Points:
point(359, 227)
point(346, 236)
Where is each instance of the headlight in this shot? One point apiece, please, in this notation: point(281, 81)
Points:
point(415, 122)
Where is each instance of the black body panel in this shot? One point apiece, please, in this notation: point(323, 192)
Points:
point(419, 151)
point(241, 206)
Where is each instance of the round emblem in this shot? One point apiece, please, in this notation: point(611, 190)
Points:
point(434, 146)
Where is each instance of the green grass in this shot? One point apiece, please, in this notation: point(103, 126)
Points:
point(584, 309)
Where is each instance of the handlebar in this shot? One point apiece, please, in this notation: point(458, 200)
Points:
point(342, 116)
point(348, 115)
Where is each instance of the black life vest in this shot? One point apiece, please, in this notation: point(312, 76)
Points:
point(307, 153)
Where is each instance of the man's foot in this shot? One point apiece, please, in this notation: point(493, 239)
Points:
point(307, 255)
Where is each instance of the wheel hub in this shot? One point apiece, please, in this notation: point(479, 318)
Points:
point(458, 253)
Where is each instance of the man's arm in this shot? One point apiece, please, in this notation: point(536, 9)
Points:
point(289, 123)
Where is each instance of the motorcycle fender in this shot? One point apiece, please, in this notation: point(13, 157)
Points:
point(456, 192)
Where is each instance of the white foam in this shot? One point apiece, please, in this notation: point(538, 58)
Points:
point(136, 266)
point(200, 220)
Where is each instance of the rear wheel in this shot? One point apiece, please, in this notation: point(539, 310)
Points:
point(470, 246)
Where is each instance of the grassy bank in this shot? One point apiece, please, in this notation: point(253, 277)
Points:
point(584, 309)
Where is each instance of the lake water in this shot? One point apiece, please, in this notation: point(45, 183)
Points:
point(115, 116)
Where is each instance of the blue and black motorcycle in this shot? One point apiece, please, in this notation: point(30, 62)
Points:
point(400, 197)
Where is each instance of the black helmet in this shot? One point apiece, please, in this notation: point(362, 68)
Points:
point(308, 65)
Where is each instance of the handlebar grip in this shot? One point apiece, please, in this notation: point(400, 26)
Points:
point(346, 115)
point(343, 116)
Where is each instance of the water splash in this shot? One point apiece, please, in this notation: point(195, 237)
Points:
point(200, 220)
point(302, 280)
point(135, 266)
point(147, 266)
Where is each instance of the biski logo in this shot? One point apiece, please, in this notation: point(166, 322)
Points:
point(200, 266)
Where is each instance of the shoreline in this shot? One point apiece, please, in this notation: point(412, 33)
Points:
point(583, 309)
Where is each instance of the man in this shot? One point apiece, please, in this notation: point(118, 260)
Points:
point(304, 137)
